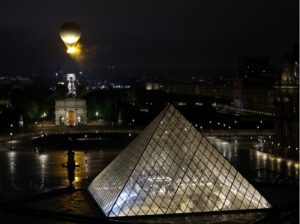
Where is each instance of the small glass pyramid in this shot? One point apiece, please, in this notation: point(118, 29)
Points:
point(171, 168)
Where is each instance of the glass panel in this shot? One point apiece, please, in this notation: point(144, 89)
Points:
point(169, 168)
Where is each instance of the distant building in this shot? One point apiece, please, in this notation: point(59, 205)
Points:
point(71, 78)
point(15, 82)
point(286, 99)
point(250, 68)
point(70, 111)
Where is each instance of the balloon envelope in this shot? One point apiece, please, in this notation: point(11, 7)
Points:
point(70, 34)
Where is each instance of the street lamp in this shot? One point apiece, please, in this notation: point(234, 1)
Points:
point(36, 127)
point(11, 142)
point(43, 116)
point(97, 115)
point(257, 127)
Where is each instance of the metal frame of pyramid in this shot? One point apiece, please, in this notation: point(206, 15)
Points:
point(171, 168)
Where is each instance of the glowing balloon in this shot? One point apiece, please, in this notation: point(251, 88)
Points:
point(70, 34)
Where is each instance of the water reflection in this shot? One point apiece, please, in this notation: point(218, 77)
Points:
point(86, 165)
point(11, 161)
point(252, 159)
point(42, 159)
point(24, 172)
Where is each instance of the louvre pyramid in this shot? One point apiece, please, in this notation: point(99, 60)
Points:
point(171, 168)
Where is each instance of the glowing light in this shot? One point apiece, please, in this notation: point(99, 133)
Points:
point(43, 158)
point(70, 39)
point(72, 50)
point(70, 34)
point(11, 155)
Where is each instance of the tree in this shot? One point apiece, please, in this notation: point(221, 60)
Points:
point(32, 110)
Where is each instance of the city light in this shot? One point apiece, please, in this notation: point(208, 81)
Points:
point(72, 50)
point(148, 120)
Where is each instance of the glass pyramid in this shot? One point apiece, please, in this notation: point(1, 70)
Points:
point(171, 168)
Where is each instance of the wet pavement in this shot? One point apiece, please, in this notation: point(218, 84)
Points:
point(27, 171)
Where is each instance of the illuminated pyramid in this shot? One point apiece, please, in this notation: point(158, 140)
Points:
point(171, 168)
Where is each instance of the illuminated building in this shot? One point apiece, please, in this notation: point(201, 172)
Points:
point(286, 100)
point(170, 168)
point(70, 111)
point(71, 78)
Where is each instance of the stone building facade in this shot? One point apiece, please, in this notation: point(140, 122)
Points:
point(70, 111)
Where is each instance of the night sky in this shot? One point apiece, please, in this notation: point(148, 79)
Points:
point(205, 36)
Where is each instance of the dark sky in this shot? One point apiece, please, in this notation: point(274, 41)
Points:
point(206, 36)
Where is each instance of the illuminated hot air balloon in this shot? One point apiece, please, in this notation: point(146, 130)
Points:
point(70, 34)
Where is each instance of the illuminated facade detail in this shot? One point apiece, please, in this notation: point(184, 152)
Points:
point(71, 78)
point(171, 168)
point(70, 112)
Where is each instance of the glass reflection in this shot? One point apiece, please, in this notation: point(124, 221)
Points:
point(190, 176)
